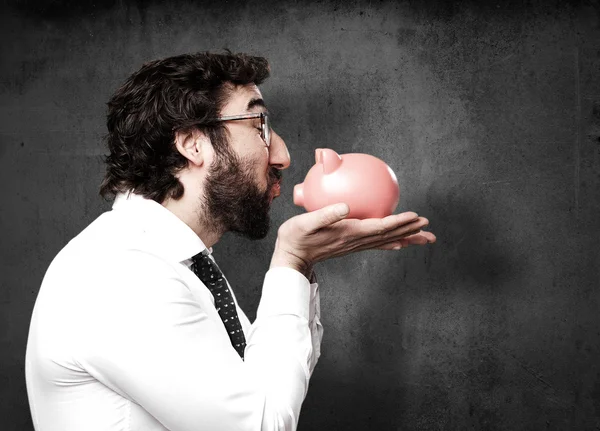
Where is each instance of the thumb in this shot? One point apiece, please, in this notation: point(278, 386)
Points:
point(326, 216)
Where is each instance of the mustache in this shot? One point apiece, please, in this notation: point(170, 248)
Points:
point(275, 175)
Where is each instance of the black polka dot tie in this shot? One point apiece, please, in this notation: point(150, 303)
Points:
point(210, 274)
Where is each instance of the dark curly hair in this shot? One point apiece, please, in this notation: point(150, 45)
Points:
point(162, 97)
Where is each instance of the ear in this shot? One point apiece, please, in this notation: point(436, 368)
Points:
point(192, 145)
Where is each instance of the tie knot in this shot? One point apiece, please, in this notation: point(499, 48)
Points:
point(201, 257)
point(206, 269)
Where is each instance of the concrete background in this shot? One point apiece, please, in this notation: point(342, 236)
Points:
point(489, 113)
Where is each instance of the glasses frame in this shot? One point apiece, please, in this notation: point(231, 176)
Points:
point(265, 126)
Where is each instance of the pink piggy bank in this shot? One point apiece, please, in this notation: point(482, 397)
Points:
point(362, 181)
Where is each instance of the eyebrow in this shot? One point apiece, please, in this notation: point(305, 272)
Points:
point(257, 101)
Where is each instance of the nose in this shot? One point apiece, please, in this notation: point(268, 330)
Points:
point(279, 156)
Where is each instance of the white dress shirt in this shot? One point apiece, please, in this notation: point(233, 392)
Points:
point(125, 337)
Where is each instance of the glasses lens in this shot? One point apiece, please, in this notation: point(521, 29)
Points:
point(266, 126)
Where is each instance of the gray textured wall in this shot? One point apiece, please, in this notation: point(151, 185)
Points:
point(490, 116)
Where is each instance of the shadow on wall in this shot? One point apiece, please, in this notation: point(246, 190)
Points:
point(471, 247)
point(400, 364)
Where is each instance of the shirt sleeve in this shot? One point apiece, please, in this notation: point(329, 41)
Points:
point(316, 328)
point(155, 345)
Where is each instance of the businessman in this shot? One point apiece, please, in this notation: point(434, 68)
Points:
point(135, 327)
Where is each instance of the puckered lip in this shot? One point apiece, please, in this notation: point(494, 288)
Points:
point(276, 189)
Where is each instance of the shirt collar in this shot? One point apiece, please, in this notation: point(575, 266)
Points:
point(163, 233)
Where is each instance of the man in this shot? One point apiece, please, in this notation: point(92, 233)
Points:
point(135, 327)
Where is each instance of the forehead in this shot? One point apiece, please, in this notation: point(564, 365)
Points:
point(240, 98)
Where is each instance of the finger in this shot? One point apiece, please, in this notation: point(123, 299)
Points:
point(315, 220)
point(431, 238)
point(427, 235)
point(382, 244)
point(374, 230)
point(391, 237)
point(409, 229)
point(379, 226)
point(420, 238)
point(389, 246)
point(415, 238)
point(395, 221)
point(402, 231)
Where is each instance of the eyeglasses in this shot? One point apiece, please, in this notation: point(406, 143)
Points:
point(265, 127)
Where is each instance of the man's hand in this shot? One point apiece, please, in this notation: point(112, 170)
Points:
point(313, 237)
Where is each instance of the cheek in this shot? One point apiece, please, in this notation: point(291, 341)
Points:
point(259, 165)
point(263, 160)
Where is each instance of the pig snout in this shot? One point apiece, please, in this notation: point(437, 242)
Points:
point(299, 194)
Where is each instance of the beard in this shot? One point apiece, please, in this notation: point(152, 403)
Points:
point(233, 201)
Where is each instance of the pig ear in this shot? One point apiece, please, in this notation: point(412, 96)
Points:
point(328, 158)
point(318, 155)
